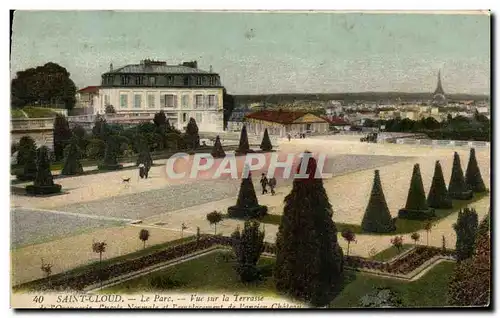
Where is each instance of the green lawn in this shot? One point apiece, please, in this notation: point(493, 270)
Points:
point(38, 112)
point(212, 273)
point(16, 113)
point(402, 226)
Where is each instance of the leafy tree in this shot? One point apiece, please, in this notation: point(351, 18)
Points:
point(397, 242)
point(247, 206)
point(81, 137)
point(72, 154)
point(144, 236)
point(192, 137)
point(47, 84)
point(162, 127)
point(415, 237)
point(217, 150)
point(473, 179)
point(62, 135)
point(214, 218)
point(438, 197)
point(484, 226)
point(99, 248)
point(46, 269)
point(266, 142)
point(466, 230)
point(309, 260)
point(96, 148)
point(228, 105)
point(247, 246)
point(101, 129)
point(349, 236)
point(109, 109)
point(377, 218)
point(471, 282)
point(457, 187)
point(243, 146)
point(110, 161)
point(183, 227)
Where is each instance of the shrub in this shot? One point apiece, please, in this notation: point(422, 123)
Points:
point(457, 188)
point(247, 206)
point(72, 156)
point(27, 158)
point(248, 246)
point(44, 182)
point(217, 150)
point(266, 145)
point(243, 146)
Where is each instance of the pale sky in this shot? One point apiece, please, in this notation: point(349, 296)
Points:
point(262, 53)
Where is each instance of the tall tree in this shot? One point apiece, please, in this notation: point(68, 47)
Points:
point(243, 146)
point(473, 179)
point(416, 204)
point(266, 144)
point(466, 230)
point(101, 129)
point(457, 188)
point(193, 139)
point(228, 105)
point(471, 282)
point(46, 85)
point(62, 135)
point(377, 217)
point(438, 197)
point(247, 246)
point(309, 260)
point(72, 154)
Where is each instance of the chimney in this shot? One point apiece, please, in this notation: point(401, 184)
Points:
point(111, 67)
point(211, 70)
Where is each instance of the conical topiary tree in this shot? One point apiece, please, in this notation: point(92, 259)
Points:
point(377, 218)
point(217, 150)
point(192, 136)
point(247, 206)
point(457, 187)
point(438, 197)
point(416, 204)
point(266, 145)
point(243, 146)
point(72, 155)
point(309, 260)
point(473, 179)
point(44, 182)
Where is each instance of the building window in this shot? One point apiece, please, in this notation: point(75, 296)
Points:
point(151, 100)
point(106, 100)
point(169, 100)
point(123, 100)
point(137, 100)
point(185, 101)
point(212, 101)
point(152, 81)
point(213, 81)
point(186, 80)
point(170, 80)
point(125, 80)
point(139, 80)
point(199, 80)
point(184, 117)
point(198, 118)
point(198, 101)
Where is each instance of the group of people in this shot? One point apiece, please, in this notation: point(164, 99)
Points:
point(300, 135)
point(271, 182)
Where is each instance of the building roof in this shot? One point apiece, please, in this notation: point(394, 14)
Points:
point(89, 89)
point(158, 69)
point(277, 116)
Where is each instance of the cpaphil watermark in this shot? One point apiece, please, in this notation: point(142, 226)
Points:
point(183, 166)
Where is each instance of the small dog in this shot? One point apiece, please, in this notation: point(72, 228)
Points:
point(126, 180)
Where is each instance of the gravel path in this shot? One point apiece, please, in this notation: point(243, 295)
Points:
point(30, 226)
point(179, 196)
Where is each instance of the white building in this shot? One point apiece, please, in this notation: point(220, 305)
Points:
point(87, 99)
point(181, 91)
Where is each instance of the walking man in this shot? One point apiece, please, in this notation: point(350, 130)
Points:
point(272, 184)
point(263, 183)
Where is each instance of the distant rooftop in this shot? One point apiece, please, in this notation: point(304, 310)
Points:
point(159, 67)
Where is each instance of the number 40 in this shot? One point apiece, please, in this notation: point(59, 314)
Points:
point(38, 299)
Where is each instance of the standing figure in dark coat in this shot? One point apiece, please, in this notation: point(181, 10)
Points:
point(263, 183)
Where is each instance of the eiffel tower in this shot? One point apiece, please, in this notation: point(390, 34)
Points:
point(439, 98)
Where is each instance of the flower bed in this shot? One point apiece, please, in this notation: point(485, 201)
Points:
point(404, 265)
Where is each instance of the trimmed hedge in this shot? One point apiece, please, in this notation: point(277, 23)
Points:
point(43, 190)
point(255, 212)
point(410, 214)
